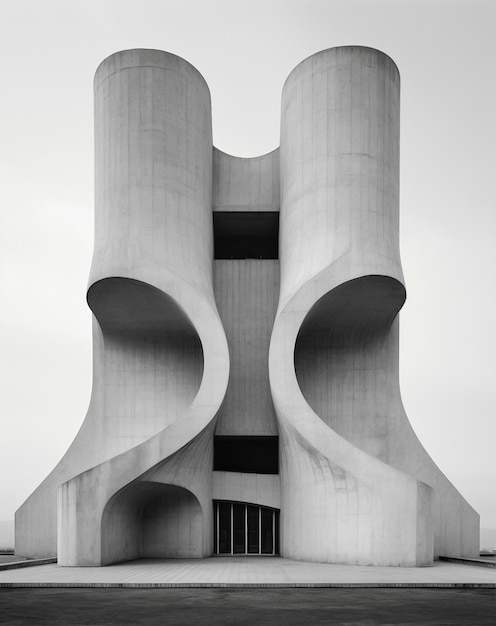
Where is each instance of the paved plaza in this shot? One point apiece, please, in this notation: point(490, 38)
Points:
point(247, 572)
point(246, 591)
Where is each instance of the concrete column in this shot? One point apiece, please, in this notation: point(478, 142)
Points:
point(153, 169)
point(339, 166)
point(164, 350)
point(341, 288)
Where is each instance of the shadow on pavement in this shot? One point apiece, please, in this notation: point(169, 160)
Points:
point(288, 607)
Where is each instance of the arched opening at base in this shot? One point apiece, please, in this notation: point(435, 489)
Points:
point(151, 520)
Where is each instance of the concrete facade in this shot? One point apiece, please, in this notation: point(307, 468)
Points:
point(246, 335)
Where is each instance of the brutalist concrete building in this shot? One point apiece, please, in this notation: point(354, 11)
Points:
point(245, 396)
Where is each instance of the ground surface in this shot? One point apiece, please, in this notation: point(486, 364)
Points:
point(260, 607)
point(245, 571)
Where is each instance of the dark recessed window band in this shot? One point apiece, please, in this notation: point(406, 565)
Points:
point(246, 235)
point(259, 455)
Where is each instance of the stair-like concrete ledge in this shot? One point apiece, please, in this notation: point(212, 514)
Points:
point(464, 561)
point(27, 563)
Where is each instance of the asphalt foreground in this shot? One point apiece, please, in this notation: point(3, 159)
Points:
point(260, 607)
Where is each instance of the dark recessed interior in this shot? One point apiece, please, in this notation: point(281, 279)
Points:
point(259, 455)
point(246, 235)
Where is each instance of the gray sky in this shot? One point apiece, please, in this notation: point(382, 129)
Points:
point(445, 50)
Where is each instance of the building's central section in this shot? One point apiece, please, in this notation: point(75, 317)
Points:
point(246, 293)
point(246, 288)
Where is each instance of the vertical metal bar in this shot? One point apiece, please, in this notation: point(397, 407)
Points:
point(232, 528)
point(246, 529)
point(218, 530)
point(273, 532)
point(259, 530)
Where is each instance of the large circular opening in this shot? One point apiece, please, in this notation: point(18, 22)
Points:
point(345, 357)
point(152, 362)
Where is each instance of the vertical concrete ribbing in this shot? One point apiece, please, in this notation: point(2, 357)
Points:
point(339, 165)
point(153, 158)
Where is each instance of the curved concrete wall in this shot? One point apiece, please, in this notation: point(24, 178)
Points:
point(161, 359)
point(246, 293)
point(246, 184)
point(153, 202)
point(349, 456)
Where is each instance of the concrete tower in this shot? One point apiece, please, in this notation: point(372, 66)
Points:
point(245, 396)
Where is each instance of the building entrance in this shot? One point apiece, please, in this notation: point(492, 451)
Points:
point(241, 528)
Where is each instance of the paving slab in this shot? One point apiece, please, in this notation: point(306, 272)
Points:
point(239, 572)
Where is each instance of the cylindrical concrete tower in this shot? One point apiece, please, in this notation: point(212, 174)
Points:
point(160, 355)
point(357, 486)
point(159, 340)
point(153, 169)
point(339, 165)
point(340, 292)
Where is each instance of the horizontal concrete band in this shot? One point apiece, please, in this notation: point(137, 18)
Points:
point(249, 585)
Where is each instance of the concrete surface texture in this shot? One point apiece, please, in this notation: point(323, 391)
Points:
point(240, 300)
point(349, 454)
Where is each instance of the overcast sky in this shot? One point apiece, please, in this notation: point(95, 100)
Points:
point(445, 51)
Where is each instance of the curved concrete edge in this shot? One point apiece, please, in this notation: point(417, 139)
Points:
point(246, 183)
point(153, 225)
point(360, 472)
point(378, 514)
point(336, 51)
point(144, 57)
point(261, 489)
point(82, 500)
